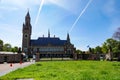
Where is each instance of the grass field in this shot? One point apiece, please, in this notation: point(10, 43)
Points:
point(68, 70)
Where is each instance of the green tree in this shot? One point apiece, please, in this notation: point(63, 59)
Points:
point(1, 45)
point(14, 49)
point(105, 48)
point(92, 50)
point(116, 48)
point(98, 49)
point(116, 36)
point(113, 45)
point(111, 42)
point(78, 51)
point(7, 47)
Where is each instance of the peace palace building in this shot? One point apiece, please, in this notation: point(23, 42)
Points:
point(44, 45)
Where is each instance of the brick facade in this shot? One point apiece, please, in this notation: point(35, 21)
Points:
point(44, 45)
point(10, 58)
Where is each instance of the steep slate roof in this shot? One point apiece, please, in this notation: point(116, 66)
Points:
point(44, 41)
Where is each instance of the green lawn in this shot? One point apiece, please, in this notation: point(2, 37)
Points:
point(68, 70)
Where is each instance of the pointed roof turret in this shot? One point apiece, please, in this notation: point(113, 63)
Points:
point(27, 18)
point(27, 23)
point(68, 38)
point(28, 15)
point(48, 33)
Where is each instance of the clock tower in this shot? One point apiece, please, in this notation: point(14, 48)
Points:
point(27, 30)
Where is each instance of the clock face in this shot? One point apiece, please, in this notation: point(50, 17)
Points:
point(26, 35)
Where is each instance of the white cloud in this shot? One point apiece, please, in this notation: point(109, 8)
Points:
point(11, 34)
point(20, 3)
point(73, 6)
point(8, 8)
point(9, 28)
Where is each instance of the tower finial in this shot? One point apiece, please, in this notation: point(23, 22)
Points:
point(28, 13)
point(28, 9)
point(48, 33)
point(68, 38)
point(27, 18)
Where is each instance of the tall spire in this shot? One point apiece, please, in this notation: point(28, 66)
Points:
point(68, 38)
point(28, 15)
point(48, 33)
point(27, 18)
point(27, 23)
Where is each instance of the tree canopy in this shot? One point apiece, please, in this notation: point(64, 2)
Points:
point(1, 45)
point(109, 44)
point(7, 47)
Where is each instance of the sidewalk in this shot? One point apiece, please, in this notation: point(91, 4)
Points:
point(7, 67)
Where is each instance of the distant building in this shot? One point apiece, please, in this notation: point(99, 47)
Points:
point(10, 57)
point(43, 45)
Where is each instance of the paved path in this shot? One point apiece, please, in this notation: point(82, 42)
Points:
point(6, 68)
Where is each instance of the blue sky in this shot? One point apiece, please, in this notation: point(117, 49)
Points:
point(98, 20)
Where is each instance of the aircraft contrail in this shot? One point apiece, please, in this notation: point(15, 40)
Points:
point(40, 8)
point(80, 15)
